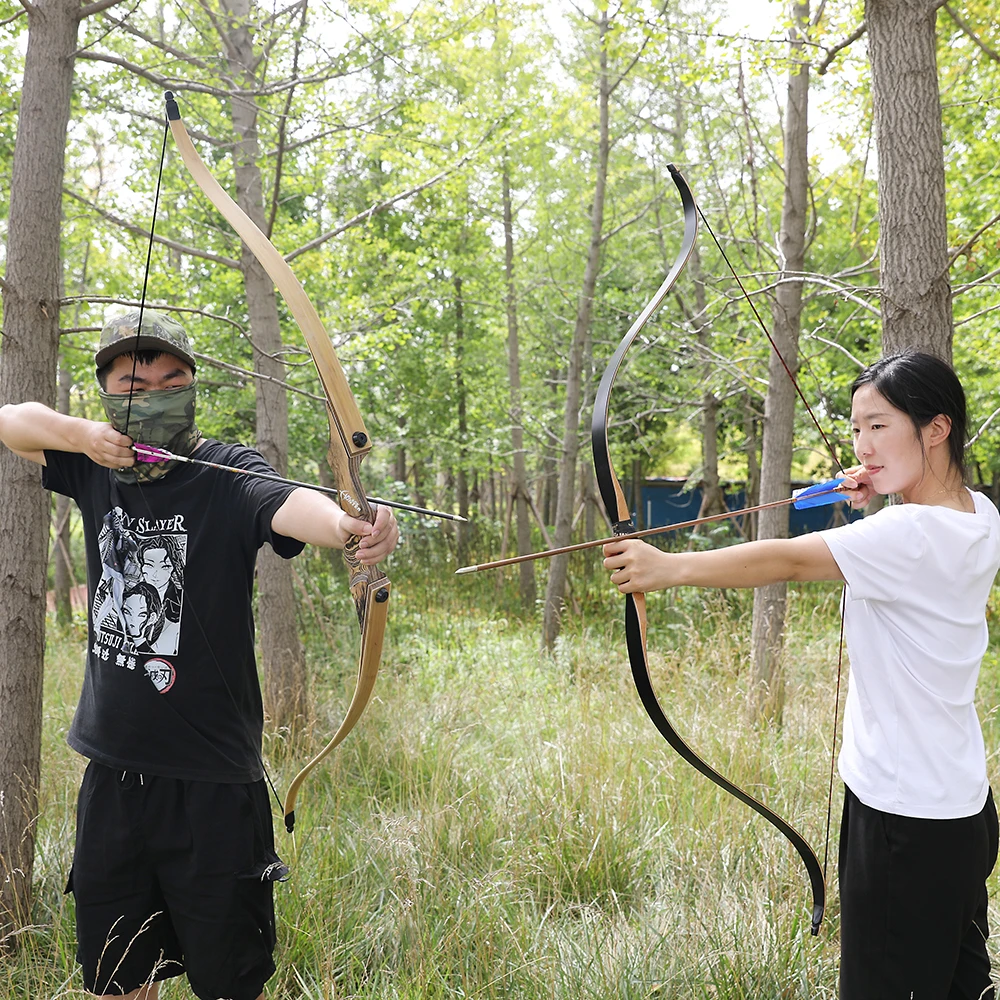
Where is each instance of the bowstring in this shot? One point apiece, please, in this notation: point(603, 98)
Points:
point(145, 276)
point(837, 463)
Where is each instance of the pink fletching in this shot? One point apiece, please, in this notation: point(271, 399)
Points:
point(144, 453)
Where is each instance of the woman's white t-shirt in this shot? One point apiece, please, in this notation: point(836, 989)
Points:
point(918, 578)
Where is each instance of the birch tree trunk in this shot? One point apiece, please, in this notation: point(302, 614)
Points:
point(913, 221)
point(556, 587)
point(713, 500)
point(285, 689)
point(767, 696)
point(29, 351)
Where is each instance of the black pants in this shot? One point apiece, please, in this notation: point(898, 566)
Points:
point(913, 904)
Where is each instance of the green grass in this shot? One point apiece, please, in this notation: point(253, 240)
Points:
point(508, 824)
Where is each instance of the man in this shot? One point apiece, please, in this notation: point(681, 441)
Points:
point(174, 857)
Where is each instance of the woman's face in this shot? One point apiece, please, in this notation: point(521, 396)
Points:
point(156, 567)
point(885, 443)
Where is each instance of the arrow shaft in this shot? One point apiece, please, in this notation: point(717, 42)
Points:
point(645, 533)
point(146, 453)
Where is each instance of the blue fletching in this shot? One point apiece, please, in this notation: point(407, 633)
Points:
point(818, 495)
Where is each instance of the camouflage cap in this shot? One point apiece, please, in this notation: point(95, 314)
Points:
point(159, 333)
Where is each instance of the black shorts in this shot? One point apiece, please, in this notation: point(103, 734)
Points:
point(174, 876)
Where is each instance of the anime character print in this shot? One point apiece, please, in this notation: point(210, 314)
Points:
point(137, 605)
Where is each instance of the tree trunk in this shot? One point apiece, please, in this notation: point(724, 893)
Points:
point(64, 581)
point(29, 350)
point(752, 493)
point(713, 500)
point(913, 221)
point(767, 696)
point(558, 566)
point(461, 476)
point(285, 689)
point(522, 514)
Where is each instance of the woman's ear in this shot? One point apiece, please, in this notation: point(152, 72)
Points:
point(938, 430)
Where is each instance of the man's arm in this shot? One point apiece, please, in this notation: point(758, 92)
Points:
point(317, 520)
point(29, 429)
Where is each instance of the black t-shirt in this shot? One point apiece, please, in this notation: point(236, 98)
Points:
point(170, 686)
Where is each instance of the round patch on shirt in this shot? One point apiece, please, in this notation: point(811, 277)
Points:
point(161, 673)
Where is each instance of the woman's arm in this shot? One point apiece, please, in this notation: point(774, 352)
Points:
point(639, 568)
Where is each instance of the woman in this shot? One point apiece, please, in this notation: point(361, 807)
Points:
point(919, 830)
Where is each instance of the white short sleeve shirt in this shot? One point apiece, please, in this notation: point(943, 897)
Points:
point(918, 578)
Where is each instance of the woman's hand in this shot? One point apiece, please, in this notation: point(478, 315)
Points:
point(637, 567)
point(857, 487)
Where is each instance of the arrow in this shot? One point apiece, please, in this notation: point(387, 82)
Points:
point(817, 495)
point(147, 453)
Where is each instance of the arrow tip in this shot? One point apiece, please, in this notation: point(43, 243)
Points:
point(466, 569)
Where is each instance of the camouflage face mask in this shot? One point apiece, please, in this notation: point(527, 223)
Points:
point(163, 418)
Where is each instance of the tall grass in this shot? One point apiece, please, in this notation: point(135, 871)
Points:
point(508, 824)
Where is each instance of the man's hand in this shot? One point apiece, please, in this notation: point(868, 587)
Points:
point(102, 444)
point(377, 540)
point(317, 520)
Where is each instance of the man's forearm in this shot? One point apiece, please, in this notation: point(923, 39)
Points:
point(33, 427)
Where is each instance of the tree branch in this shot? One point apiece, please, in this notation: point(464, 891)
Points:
point(966, 29)
point(13, 17)
point(388, 203)
point(967, 245)
point(832, 53)
point(144, 233)
point(96, 8)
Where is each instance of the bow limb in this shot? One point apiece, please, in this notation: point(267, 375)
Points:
point(349, 440)
point(635, 604)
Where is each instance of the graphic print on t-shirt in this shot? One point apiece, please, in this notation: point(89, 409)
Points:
point(137, 604)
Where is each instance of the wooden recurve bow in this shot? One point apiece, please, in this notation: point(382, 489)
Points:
point(349, 441)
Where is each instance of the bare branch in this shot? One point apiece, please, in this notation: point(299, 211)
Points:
point(163, 82)
point(982, 430)
point(838, 347)
point(144, 233)
point(968, 244)
point(969, 285)
point(125, 25)
point(976, 315)
point(13, 17)
point(245, 372)
point(832, 53)
point(966, 29)
point(388, 203)
point(96, 8)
